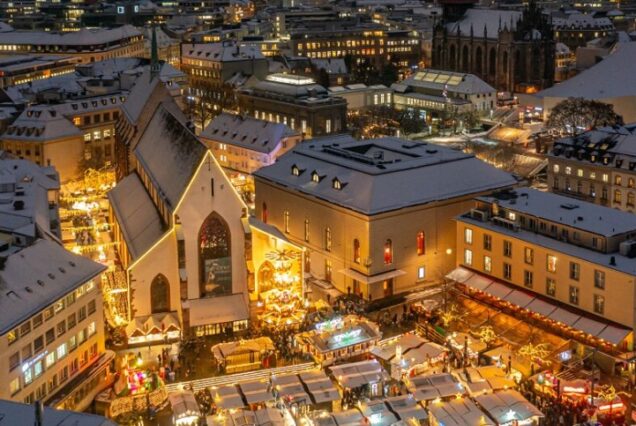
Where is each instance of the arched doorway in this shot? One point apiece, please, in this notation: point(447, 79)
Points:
point(265, 276)
point(215, 257)
point(160, 294)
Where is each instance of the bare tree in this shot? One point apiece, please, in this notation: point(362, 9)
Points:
point(576, 115)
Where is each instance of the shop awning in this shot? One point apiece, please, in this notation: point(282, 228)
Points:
point(614, 335)
point(373, 278)
point(519, 298)
point(479, 282)
point(564, 316)
point(605, 331)
point(589, 326)
point(217, 310)
point(460, 274)
point(541, 307)
point(498, 290)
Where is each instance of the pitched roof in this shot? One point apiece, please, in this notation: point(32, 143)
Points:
point(455, 82)
point(492, 20)
point(83, 37)
point(136, 214)
point(169, 153)
point(246, 132)
point(41, 124)
point(17, 413)
point(381, 175)
point(613, 77)
point(36, 277)
point(223, 51)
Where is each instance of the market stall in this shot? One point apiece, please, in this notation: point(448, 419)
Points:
point(418, 360)
point(242, 355)
point(185, 410)
point(377, 413)
point(509, 408)
point(257, 393)
point(324, 394)
point(406, 407)
point(487, 379)
point(432, 387)
point(339, 339)
point(458, 412)
point(227, 397)
point(465, 343)
point(358, 375)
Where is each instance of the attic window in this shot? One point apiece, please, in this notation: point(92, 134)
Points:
point(315, 177)
point(337, 184)
point(296, 171)
point(40, 283)
point(113, 100)
point(104, 102)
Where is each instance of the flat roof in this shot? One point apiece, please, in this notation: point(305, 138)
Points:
point(564, 210)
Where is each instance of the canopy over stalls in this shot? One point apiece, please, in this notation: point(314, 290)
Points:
point(458, 412)
point(508, 406)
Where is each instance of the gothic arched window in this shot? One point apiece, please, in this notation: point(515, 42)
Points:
point(215, 257)
point(465, 58)
point(478, 60)
point(159, 294)
point(452, 57)
point(492, 66)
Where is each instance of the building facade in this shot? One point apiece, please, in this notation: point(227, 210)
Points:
point(85, 45)
point(569, 262)
point(297, 102)
point(597, 166)
point(336, 197)
point(510, 50)
point(181, 234)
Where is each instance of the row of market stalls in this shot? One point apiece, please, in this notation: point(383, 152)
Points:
point(153, 328)
point(244, 355)
point(600, 334)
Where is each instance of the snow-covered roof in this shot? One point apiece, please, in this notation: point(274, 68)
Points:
point(169, 153)
point(613, 77)
point(36, 277)
point(507, 406)
point(14, 413)
point(459, 412)
point(381, 175)
point(33, 183)
point(453, 82)
point(136, 215)
point(246, 132)
point(480, 21)
point(83, 37)
point(41, 123)
point(139, 95)
point(557, 208)
point(578, 20)
point(222, 52)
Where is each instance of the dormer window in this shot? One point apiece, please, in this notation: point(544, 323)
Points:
point(296, 171)
point(315, 177)
point(336, 184)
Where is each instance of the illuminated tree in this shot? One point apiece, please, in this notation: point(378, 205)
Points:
point(575, 115)
point(532, 351)
point(487, 335)
point(450, 315)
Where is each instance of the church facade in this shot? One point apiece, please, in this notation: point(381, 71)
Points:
point(512, 51)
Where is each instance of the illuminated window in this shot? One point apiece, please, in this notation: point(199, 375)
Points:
point(421, 273)
point(487, 264)
point(568, 170)
point(77, 121)
point(421, 243)
point(574, 295)
point(468, 257)
point(528, 255)
point(315, 177)
point(286, 221)
point(599, 304)
point(605, 177)
point(336, 184)
point(551, 263)
point(550, 287)
point(50, 359)
point(630, 183)
point(618, 180)
point(579, 172)
point(328, 238)
point(388, 252)
point(468, 235)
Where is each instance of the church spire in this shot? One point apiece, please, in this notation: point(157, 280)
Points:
point(154, 55)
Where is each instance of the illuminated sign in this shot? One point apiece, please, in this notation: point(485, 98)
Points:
point(290, 79)
point(347, 335)
point(330, 325)
point(565, 355)
point(574, 389)
point(28, 364)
